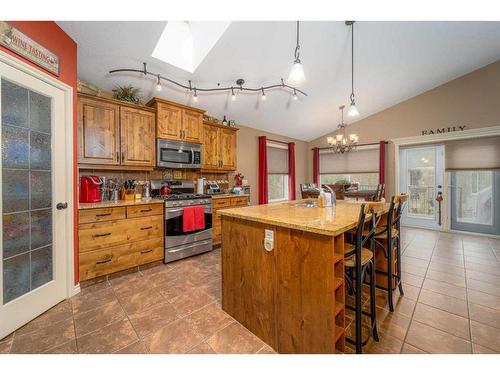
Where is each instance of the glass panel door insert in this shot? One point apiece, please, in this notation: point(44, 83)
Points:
point(421, 176)
point(26, 190)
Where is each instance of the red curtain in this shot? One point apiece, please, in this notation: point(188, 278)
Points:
point(316, 165)
point(381, 166)
point(262, 170)
point(291, 171)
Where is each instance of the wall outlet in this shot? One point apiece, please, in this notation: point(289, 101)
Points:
point(268, 240)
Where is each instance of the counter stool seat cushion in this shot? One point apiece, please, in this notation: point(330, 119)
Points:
point(366, 256)
point(383, 235)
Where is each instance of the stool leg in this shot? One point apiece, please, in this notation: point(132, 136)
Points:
point(373, 307)
point(389, 273)
point(398, 262)
point(359, 307)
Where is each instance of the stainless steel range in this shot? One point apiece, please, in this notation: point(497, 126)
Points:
point(180, 244)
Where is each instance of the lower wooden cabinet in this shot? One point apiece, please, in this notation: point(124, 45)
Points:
point(118, 238)
point(219, 203)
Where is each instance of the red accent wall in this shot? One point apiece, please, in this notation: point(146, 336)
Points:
point(51, 36)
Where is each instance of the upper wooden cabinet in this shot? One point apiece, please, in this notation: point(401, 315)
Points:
point(219, 147)
point(113, 133)
point(137, 137)
point(98, 132)
point(177, 122)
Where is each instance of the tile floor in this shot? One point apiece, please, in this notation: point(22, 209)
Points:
point(451, 305)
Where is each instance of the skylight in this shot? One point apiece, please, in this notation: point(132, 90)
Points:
point(185, 44)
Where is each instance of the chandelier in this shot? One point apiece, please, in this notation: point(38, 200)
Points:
point(341, 143)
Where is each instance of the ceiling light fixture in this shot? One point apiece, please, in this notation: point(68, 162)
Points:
point(191, 88)
point(195, 97)
point(233, 95)
point(297, 76)
point(158, 84)
point(353, 111)
point(263, 94)
point(341, 143)
point(295, 97)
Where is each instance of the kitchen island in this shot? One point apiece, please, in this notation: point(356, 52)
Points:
point(291, 294)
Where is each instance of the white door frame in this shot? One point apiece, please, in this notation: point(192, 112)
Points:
point(438, 138)
point(71, 288)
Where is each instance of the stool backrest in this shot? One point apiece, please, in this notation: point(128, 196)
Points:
point(396, 208)
point(374, 209)
point(379, 193)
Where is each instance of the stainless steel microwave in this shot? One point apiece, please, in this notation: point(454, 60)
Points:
point(176, 154)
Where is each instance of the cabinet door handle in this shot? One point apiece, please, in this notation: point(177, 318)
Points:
point(104, 261)
point(102, 235)
point(147, 210)
point(146, 251)
point(123, 157)
point(144, 228)
point(117, 156)
point(101, 215)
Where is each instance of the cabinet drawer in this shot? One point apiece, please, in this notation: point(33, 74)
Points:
point(101, 235)
point(117, 258)
point(239, 201)
point(101, 214)
point(221, 202)
point(145, 210)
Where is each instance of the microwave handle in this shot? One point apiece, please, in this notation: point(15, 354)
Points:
point(192, 156)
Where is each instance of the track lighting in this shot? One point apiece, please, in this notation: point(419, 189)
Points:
point(297, 76)
point(190, 88)
point(263, 94)
point(295, 97)
point(158, 84)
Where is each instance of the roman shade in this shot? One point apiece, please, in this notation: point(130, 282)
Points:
point(363, 160)
point(277, 159)
point(477, 153)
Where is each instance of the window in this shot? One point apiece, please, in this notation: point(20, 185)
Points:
point(367, 181)
point(278, 187)
point(277, 168)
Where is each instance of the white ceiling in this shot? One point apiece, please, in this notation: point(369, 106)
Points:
point(394, 61)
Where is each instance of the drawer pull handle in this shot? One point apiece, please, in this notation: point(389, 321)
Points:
point(102, 235)
point(101, 215)
point(148, 210)
point(146, 251)
point(144, 228)
point(104, 261)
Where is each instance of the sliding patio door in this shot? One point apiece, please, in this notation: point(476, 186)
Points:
point(33, 194)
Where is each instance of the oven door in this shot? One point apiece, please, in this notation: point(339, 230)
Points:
point(173, 154)
point(173, 226)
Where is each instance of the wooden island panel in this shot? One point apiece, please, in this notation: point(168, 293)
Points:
point(291, 297)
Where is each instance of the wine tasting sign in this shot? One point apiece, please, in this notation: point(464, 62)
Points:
point(16, 41)
point(449, 129)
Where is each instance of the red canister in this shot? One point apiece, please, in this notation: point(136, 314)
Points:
point(90, 189)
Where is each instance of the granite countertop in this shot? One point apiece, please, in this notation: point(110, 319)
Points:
point(230, 195)
point(296, 215)
point(107, 204)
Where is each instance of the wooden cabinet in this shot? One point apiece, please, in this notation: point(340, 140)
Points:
point(219, 147)
point(98, 132)
point(177, 122)
point(137, 137)
point(114, 134)
point(118, 238)
point(222, 202)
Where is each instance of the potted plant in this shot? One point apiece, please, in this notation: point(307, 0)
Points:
point(127, 93)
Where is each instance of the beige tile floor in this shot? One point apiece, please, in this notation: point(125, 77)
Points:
point(451, 305)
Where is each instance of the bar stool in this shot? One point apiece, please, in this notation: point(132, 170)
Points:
point(359, 261)
point(388, 238)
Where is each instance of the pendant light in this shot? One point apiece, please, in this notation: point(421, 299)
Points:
point(353, 111)
point(342, 143)
point(158, 84)
point(297, 76)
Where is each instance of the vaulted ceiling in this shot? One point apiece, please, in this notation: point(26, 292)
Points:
point(393, 62)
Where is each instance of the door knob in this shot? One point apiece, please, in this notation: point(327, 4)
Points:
point(62, 206)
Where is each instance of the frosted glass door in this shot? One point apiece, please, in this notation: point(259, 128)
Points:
point(26, 190)
point(34, 223)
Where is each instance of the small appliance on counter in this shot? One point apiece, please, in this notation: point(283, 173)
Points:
point(200, 185)
point(213, 188)
point(90, 189)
